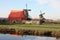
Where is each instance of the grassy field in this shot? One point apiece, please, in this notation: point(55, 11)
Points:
point(44, 27)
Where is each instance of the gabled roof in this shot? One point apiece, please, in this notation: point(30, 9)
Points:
point(16, 15)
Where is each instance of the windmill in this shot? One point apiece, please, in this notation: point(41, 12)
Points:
point(42, 19)
point(26, 13)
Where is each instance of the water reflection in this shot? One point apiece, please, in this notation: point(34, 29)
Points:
point(25, 37)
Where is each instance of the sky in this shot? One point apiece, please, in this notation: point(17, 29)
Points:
point(51, 8)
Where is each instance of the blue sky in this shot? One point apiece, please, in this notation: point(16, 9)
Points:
point(50, 7)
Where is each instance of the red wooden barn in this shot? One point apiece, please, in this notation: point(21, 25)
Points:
point(17, 15)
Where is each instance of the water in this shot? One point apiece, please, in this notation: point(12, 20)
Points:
point(25, 37)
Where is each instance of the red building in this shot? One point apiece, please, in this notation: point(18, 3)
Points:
point(17, 15)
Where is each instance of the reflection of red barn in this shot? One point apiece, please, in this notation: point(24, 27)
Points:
point(17, 15)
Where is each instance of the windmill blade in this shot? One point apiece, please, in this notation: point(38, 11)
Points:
point(41, 12)
point(26, 5)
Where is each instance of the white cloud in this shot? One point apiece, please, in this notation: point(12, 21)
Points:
point(52, 3)
point(42, 1)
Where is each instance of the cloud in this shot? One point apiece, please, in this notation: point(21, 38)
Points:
point(52, 3)
point(42, 1)
point(28, 0)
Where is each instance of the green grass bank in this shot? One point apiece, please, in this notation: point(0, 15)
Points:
point(44, 27)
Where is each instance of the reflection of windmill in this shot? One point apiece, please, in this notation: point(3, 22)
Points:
point(26, 13)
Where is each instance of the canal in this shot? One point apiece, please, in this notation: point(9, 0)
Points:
point(25, 37)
